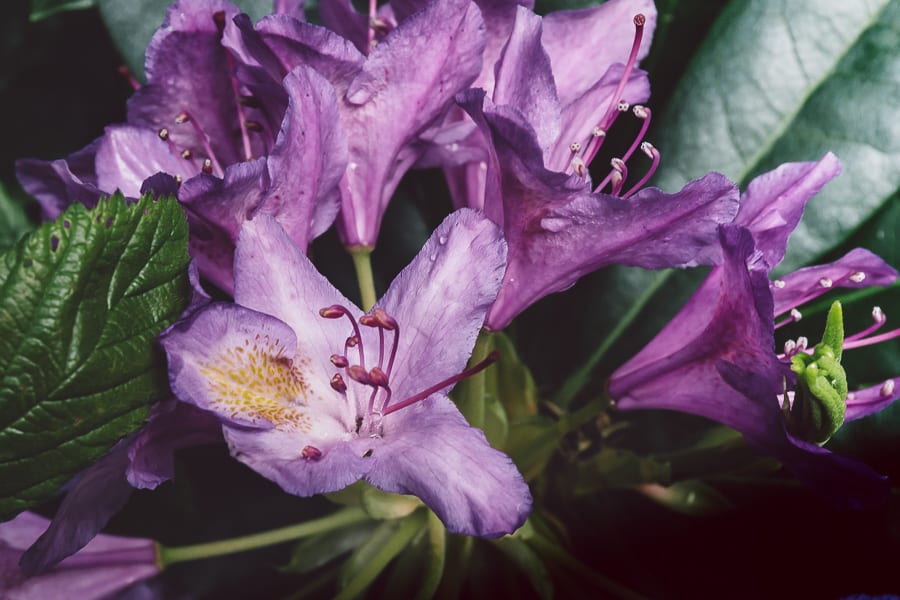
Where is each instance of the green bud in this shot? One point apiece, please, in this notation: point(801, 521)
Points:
point(820, 399)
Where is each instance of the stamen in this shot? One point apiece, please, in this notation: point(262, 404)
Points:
point(163, 134)
point(622, 106)
point(186, 154)
point(858, 277)
point(336, 311)
point(644, 113)
point(359, 375)
point(493, 357)
point(878, 319)
point(574, 147)
point(311, 453)
point(210, 163)
point(373, 15)
point(619, 175)
point(825, 282)
point(337, 383)
point(339, 361)
point(648, 149)
point(778, 283)
point(875, 339)
point(887, 388)
point(790, 348)
point(795, 316)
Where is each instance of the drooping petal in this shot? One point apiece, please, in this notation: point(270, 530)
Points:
point(870, 400)
point(387, 105)
point(440, 301)
point(93, 498)
point(582, 43)
point(274, 277)
point(431, 451)
point(773, 203)
point(859, 268)
point(308, 160)
point(189, 71)
point(59, 183)
point(126, 156)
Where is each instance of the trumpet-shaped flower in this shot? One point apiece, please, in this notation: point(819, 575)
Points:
point(717, 357)
point(315, 395)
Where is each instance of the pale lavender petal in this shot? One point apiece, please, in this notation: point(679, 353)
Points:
point(387, 105)
point(274, 277)
point(582, 43)
point(108, 564)
point(308, 160)
point(188, 70)
point(216, 208)
point(870, 400)
point(499, 19)
point(59, 183)
point(291, 8)
point(440, 301)
point(279, 456)
point(773, 203)
point(93, 498)
point(859, 268)
point(431, 451)
point(524, 79)
point(126, 156)
point(171, 426)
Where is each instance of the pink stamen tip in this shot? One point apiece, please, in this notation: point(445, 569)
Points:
point(639, 20)
point(368, 321)
point(378, 377)
point(339, 361)
point(337, 383)
point(384, 320)
point(311, 453)
point(335, 311)
point(359, 374)
point(353, 341)
point(875, 339)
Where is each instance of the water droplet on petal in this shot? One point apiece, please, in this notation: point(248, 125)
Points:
point(554, 224)
point(442, 240)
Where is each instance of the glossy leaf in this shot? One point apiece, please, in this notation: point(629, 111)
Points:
point(81, 303)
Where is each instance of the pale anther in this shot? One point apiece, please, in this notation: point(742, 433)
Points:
point(574, 146)
point(779, 283)
point(825, 282)
point(887, 388)
point(858, 277)
point(878, 315)
point(796, 314)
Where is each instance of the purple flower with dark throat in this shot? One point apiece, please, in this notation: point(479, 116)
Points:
point(717, 357)
point(558, 226)
point(230, 140)
point(315, 395)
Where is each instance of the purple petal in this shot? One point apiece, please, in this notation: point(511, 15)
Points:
point(868, 401)
point(582, 43)
point(171, 426)
point(308, 160)
point(94, 497)
point(859, 268)
point(440, 300)
point(188, 70)
point(292, 8)
point(499, 19)
point(524, 79)
point(59, 183)
point(773, 203)
point(106, 565)
point(126, 156)
point(216, 208)
point(387, 105)
point(430, 451)
point(274, 277)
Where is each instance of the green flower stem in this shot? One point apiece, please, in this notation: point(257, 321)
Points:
point(471, 398)
point(579, 380)
point(406, 530)
point(437, 544)
point(168, 556)
point(563, 558)
point(362, 262)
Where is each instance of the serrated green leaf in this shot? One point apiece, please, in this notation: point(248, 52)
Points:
point(41, 9)
point(788, 81)
point(132, 24)
point(81, 303)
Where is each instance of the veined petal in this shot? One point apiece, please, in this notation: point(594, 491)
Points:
point(859, 268)
point(773, 203)
point(126, 156)
point(59, 183)
point(308, 160)
point(431, 451)
point(870, 400)
point(584, 42)
point(387, 105)
point(440, 301)
point(188, 71)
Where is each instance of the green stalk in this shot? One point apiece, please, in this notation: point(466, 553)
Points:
point(362, 262)
point(169, 556)
point(471, 398)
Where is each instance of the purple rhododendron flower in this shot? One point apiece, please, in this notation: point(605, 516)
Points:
point(232, 141)
point(315, 395)
point(538, 189)
point(107, 565)
point(383, 103)
point(716, 358)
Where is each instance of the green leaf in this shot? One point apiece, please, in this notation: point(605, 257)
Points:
point(691, 497)
point(13, 220)
point(385, 505)
point(788, 81)
point(615, 468)
point(437, 557)
point(132, 24)
point(529, 563)
point(321, 549)
point(531, 443)
point(81, 303)
point(41, 9)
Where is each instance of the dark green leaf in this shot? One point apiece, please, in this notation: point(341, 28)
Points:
point(529, 563)
point(531, 443)
point(321, 549)
point(41, 9)
point(132, 24)
point(613, 467)
point(13, 221)
point(788, 81)
point(691, 497)
point(81, 303)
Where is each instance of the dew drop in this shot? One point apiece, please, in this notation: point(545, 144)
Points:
point(554, 224)
point(442, 240)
